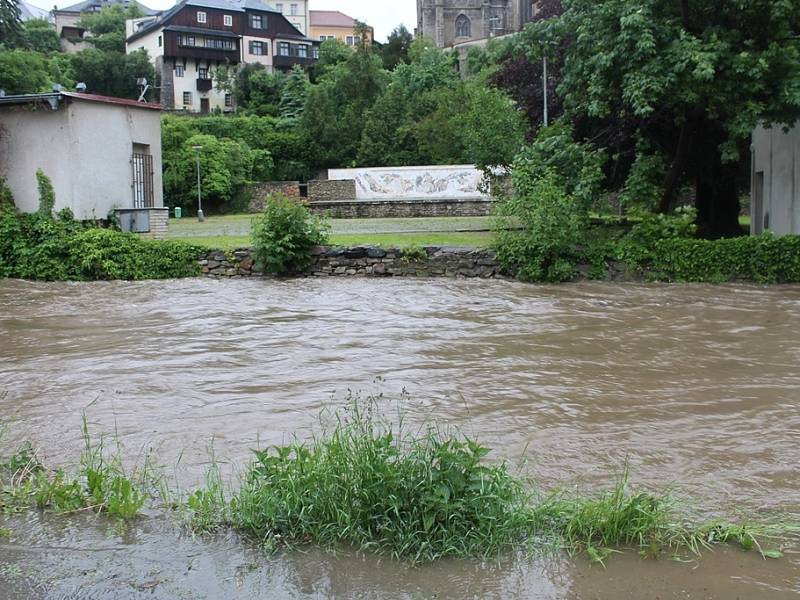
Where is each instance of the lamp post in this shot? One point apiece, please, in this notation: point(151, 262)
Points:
point(200, 216)
point(544, 83)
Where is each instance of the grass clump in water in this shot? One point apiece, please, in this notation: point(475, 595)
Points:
point(100, 484)
point(418, 497)
point(428, 494)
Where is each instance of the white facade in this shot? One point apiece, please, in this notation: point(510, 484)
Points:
point(775, 183)
point(85, 147)
point(296, 12)
point(450, 182)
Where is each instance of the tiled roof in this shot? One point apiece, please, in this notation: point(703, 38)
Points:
point(55, 97)
point(29, 11)
point(331, 18)
point(87, 5)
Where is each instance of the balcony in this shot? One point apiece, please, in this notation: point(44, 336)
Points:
point(205, 85)
point(287, 62)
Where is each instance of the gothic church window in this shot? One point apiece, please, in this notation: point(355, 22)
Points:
point(463, 26)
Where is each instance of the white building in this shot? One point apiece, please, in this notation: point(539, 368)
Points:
point(775, 183)
point(296, 12)
point(189, 41)
point(102, 155)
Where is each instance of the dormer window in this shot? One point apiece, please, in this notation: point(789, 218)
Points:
point(228, 20)
point(257, 22)
point(201, 17)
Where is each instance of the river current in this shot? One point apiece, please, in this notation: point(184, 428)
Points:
point(697, 388)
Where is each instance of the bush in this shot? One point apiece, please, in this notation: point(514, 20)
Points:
point(760, 259)
point(106, 254)
point(285, 234)
point(637, 247)
point(538, 229)
point(39, 247)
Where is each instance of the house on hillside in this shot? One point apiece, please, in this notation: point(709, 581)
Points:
point(102, 154)
point(67, 21)
point(775, 181)
point(28, 11)
point(188, 41)
point(296, 12)
point(332, 24)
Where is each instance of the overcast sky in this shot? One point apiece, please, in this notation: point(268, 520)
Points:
point(383, 15)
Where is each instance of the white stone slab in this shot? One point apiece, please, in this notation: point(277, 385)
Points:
point(452, 182)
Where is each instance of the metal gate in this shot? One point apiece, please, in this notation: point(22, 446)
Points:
point(143, 196)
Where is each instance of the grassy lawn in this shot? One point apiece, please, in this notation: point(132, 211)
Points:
point(233, 231)
point(399, 240)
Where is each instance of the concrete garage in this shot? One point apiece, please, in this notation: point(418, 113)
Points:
point(102, 154)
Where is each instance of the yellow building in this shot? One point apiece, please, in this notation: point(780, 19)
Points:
point(332, 24)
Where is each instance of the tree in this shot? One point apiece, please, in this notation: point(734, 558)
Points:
point(111, 73)
point(11, 31)
point(690, 78)
point(294, 94)
point(107, 26)
point(23, 72)
point(336, 106)
point(41, 36)
point(226, 166)
point(395, 51)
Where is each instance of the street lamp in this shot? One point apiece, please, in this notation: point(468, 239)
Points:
point(200, 216)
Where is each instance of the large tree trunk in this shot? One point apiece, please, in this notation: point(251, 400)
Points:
point(717, 198)
point(677, 168)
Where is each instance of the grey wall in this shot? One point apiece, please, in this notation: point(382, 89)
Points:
point(84, 147)
point(775, 177)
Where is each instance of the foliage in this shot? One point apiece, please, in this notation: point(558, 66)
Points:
point(6, 197)
point(334, 113)
point(381, 488)
point(47, 197)
point(41, 36)
point(760, 259)
point(539, 228)
point(107, 26)
point(284, 235)
point(112, 73)
point(227, 166)
point(294, 94)
point(11, 29)
point(690, 78)
point(576, 167)
point(395, 50)
point(40, 247)
point(23, 72)
point(257, 92)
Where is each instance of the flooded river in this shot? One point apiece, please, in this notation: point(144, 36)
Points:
point(696, 386)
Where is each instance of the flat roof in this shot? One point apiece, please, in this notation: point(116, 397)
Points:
point(55, 97)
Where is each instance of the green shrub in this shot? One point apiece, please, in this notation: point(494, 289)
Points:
point(760, 259)
point(108, 254)
point(637, 247)
point(418, 497)
point(40, 247)
point(47, 196)
point(538, 229)
point(6, 197)
point(284, 235)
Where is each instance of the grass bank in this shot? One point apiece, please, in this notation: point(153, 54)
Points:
point(417, 494)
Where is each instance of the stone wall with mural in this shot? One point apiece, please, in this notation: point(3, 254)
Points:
point(403, 209)
point(447, 182)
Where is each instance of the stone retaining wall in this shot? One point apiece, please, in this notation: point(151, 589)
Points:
point(377, 209)
point(262, 191)
point(324, 190)
point(362, 261)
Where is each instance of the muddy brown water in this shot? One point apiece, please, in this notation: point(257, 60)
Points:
point(696, 386)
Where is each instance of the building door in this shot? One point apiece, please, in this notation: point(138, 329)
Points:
point(142, 161)
point(757, 209)
point(204, 108)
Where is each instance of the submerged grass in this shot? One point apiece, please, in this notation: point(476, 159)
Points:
point(100, 483)
point(416, 494)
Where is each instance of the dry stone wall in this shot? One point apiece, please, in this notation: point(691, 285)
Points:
point(368, 261)
point(382, 209)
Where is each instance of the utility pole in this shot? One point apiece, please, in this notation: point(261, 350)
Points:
point(200, 215)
